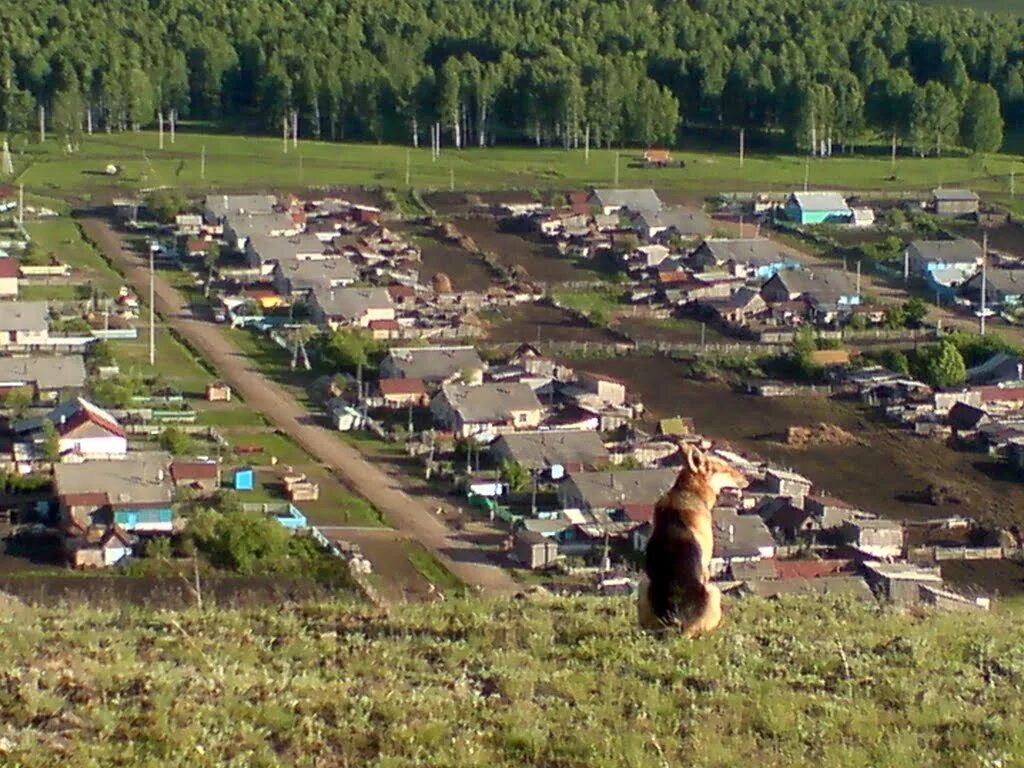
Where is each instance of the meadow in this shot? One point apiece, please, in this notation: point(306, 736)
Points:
point(566, 683)
point(246, 163)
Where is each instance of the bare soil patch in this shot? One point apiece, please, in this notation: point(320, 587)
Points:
point(818, 434)
point(540, 323)
point(467, 272)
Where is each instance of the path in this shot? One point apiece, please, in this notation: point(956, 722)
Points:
point(461, 553)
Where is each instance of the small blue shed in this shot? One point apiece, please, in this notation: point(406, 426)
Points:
point(244, 479)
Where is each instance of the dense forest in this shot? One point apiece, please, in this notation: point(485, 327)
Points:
point(827, 74)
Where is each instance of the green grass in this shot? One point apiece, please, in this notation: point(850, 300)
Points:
point(433, 571)
point(283, 447)
point(568, 683)
point(603, 300)
point(337, 505)
point(52, 292)
point(258, 162)
point(62, 236)
point(174, 362)
point(240, 416)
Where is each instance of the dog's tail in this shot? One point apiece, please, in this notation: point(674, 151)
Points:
point(699, 613)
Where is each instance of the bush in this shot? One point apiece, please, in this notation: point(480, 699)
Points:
point(242, 542)
point(175, 442)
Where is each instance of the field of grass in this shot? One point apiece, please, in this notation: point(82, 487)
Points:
point(174, 362)
point(273, 444)
point(570, 684)
point(238, 162)
point(61, 236)
point(433, 571)
point(604, 301)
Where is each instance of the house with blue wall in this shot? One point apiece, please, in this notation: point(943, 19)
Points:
point(746, 257)
point(818, 208)
point(944, 265)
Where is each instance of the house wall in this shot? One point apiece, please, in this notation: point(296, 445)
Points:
point(145, 519)
point(8, 286)
point(113, 553)
point(108, 445)
point(23, 338)
point(956, 207)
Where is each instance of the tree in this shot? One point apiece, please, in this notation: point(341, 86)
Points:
point(50, 444)
point(165, 204)
point(895, 317)
point(19, 400)
point(981, 127)
point(934, 118)
point(68, 108)
point(515, 474)
point(802, 355)
point(175, 442)
point(349, 349)
point(944, 365)
point(243, 542)
point(916, 310)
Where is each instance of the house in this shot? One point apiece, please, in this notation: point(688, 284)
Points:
point(300, 278)
point(845, 585)
point(134, 493)
point(217, 208)
point(753, 257)
point(874, 536)
point(399, 393)
point(49, 376)
point(679, 221)
point(955, 202)
point(818, 208)
point(739, 538)
point(433, 365)
point(199, 475)
point(965, 420)
point(780, 482)
point(633, 200)
point(189, 224)
point(648, 256)
point(605, 388)
point(608, 491)
point(786, 520)
point(1002, 287)
point(97, 546)
point(10, 269)
point(931, 258)
point(556, 451)
point(351, 306)
point(239, 229)
point(828, 293)
point(1001, 368)
point(263, 251)
point(738, 308)
point(24, 323)
point(470, 410)
point(218, 392)
point(534, 550)
point(901, 583)
point(830, 512)
point(85, 431)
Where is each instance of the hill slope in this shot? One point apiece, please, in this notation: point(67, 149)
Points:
point(509, 684)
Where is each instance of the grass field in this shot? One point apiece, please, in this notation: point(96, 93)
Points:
point(604, 301)
point(174, 362)
point(569, 685)
point(62, 237)
point(238, 162)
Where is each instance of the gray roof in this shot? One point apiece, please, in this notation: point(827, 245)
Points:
point(139, 478)
point(251, 225)
point(610, 490)
point(963, 250)
point(352, 303)
point(310, 274)
point(685, 221)
point(431, 364)
point(491, 402)
point(279, 249)
point(46, 372)
point(1008, 281)
point(821, 201)
point(224, 205)
point(639, 200)
point(824, 285)
point(964, 195)
point(853, 586)
point(24, 316)
point(1000, 367)
point(536, 450)
point(740, 535)
point(754, 251)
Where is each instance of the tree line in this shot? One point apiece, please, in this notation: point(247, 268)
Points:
point(826, 74)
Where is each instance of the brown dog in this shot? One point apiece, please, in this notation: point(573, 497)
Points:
point(677, 592)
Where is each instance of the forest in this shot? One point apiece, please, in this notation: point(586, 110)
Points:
point(826, 75)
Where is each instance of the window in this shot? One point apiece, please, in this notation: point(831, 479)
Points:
point(521, 418)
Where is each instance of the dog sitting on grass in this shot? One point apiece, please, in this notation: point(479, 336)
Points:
point(676, 593)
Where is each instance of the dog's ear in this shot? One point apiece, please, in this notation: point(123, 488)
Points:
point(694, 459)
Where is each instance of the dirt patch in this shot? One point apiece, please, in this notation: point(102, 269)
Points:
point(883, 471)
point(540, 323)
point(539, 257)
point(466, 271)
point(396, 578)
point(670, 329)
point(995, 577)
point(818, 434)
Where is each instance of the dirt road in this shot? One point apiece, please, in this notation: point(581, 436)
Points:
point(461, 553)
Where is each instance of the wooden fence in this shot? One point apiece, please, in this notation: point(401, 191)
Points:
point(946, 554)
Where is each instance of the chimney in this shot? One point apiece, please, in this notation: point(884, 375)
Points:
point(160, 475)
point(1020, 371)
point(732, 533)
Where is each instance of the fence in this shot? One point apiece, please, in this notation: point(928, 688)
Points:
point(945, 554)
point(116, 333)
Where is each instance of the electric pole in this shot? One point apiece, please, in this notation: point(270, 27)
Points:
point(984, 279)
point(202, 162)
point(616, 170)
point(152, 311)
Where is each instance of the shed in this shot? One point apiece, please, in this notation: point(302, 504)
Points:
point(244, 479)
point(218, 392)
point(955, 202)
point(818, 208)
point(534, 550)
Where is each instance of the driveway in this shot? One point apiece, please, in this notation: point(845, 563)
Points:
point(461, 553)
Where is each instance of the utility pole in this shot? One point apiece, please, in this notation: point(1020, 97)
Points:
point(742, 137)
point(893, 161)
point(616, 170)
point(21, 206)
point(408, 158)
point(152, 311)
point(160, 122)
point(586, 144)
point(42, 124)
point(807, 171)
point(451, 179)
point(202, 162)
point(533, 499)
point(703, 329)
point(174, 119)
point(858, 279)
point(984, 279)
point(284, 132)
point(1012, 179)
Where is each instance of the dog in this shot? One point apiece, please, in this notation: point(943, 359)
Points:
point(676, 592)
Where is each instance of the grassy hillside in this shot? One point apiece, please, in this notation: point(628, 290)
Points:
point(245, 163)
point(567, 683)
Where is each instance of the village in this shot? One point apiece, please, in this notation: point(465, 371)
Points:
point(396, 347)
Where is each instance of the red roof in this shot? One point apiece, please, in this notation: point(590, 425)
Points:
point(260, 293)
point(86, 415)
point(298, 217)
point(9, 267)
point(829, 501)
point(193, 470)
point(94, 499)
point(195, 246)
point(384, 325)
point(1000, 394)
point(578, 198)
point(398, 292)
point(657, 155)
point(402, 387)
point(639, 513)
point(674, 276)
